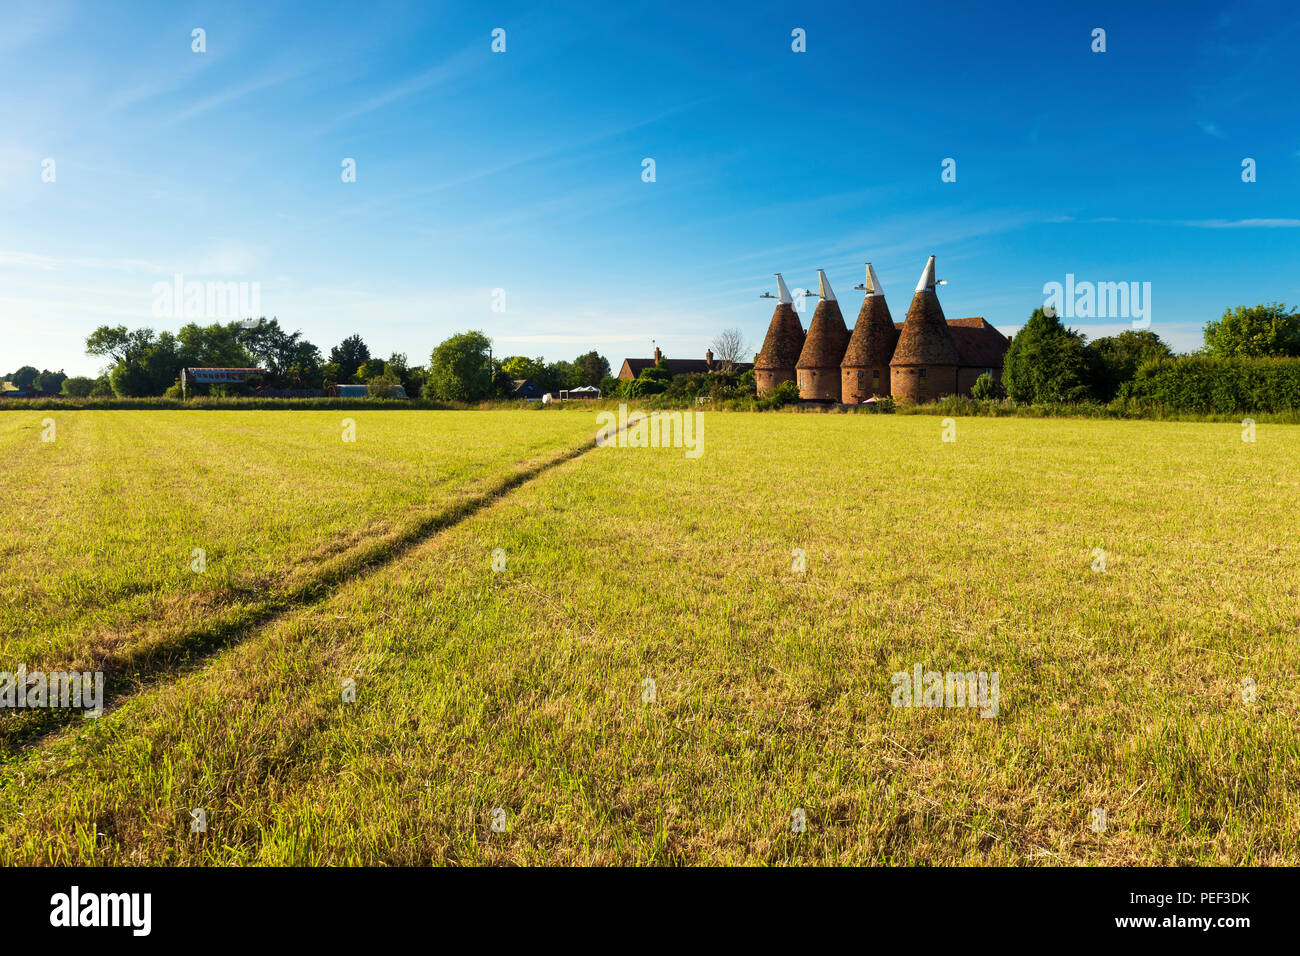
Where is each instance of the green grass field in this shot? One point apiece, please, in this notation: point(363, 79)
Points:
point(508, 716)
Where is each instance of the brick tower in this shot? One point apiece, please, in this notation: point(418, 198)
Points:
point(865, 369)
point(775, 363)
point(924, 366)
point(818, 368)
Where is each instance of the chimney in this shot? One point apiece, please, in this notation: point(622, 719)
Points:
point(658, 354)
point(708, 359)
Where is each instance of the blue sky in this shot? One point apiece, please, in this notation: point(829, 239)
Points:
point(522, 170)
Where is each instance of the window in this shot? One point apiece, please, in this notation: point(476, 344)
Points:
point(875, 373)
point(922, 373)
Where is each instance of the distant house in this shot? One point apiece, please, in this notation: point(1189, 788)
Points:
point(32, 392)
point(633, 367)
point(525, 390)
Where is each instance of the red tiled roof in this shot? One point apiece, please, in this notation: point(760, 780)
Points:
point(978, 343)
point(681, 366)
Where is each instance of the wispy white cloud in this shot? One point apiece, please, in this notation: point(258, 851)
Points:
point(29, 22)
point(1243, 223)
point(43, 263)
point(220, 257)
point(452, 68)
point(232, 93)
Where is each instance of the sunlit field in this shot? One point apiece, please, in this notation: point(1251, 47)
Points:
point(630, 656)
point(131, 540)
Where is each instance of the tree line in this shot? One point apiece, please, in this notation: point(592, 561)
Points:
point(1242, 365)
point(1048, 363)
point(147, 363)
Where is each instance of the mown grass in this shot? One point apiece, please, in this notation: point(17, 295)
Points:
point(99, 532)
point(522, 690)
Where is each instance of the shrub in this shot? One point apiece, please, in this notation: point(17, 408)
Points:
point(1208, 385)
point(641, 387)
point(984, 388)
point(787, 393)
point(78, 386)
point(381, 386)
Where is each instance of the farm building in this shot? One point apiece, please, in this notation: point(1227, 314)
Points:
point(864, 370)
point(818, 368)
point(522, 388)
point(633, 367)
point(775, 363)
point(347, 391)
point(920, 359)
point(217, 376)
point(360, 391)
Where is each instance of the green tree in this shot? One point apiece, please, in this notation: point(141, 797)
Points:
point(287, 356)
point(117, 343)
point(521, 366)
point(370, 368)
point(459, 369)
point(1254, 332)
point(25, 377)
point(399, 369)
point(590, 368)
point(1115, 359)
point(145, 363)
point(49, 381)
point(1046, 362)
point(211, 346)
point(348, 355)
point(78, 386)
